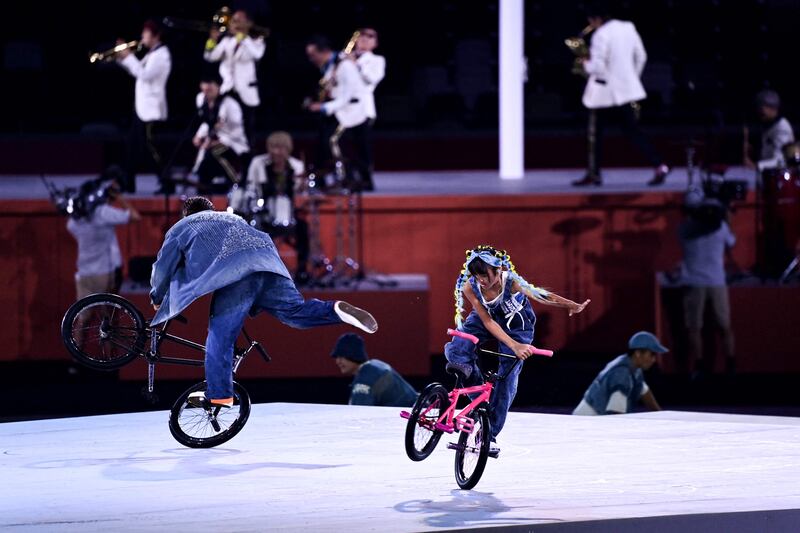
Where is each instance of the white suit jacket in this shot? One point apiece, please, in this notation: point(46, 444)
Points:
point(151, 73)
point(348, 94)
point(238, 66)
point(372, 68)
point(230, 124)
point(617, 58)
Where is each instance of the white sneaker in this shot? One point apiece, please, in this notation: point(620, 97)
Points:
point(198, 399)
point(350, 314)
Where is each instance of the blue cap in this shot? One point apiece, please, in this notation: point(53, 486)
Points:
point(644, 340)
point(350, 346)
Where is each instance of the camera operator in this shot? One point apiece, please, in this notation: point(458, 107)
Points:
point(705, 236)
point(93, 225)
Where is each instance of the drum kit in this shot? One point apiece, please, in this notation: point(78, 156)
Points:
point(276, 215)
point(780, 215)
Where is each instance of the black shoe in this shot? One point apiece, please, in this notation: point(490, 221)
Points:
point(588, 179)
point(660, 176)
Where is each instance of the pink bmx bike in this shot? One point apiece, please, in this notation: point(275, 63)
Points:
point(434, 413)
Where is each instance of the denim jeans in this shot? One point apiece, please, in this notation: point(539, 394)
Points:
point(463, 351)
point(260, 291)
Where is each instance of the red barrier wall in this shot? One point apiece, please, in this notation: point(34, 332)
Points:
point(603, 246)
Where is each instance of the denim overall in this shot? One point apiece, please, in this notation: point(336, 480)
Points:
point(513, 312)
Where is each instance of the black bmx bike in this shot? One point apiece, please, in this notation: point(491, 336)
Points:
point(106, 332)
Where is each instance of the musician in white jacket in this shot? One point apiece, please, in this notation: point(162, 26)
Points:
point(613, 91)
point(238, 54)
point(372, 68)
point(347, 93)
point(220, 139)
point(151, 73)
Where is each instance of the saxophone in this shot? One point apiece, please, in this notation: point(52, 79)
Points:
point(580, 49)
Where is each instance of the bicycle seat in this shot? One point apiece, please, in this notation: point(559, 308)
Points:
point(462, 370)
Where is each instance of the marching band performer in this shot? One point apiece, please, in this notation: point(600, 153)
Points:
point(151, 73)
point(372, 68)
point(238, 54)
point(220, 139)
point(614, 89)
point(347, 93)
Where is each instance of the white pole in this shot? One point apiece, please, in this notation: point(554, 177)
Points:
point(512, 73)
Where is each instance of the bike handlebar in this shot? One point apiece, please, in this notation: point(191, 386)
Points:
point(474, 340)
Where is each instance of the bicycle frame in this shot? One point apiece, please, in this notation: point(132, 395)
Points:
point(158, 335)
point(461, 422)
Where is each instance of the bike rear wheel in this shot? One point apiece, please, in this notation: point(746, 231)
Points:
point(103, 331)
point(421, 437)
point(473, 450)
point(198, 427)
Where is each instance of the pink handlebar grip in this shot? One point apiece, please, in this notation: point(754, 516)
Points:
point(455, 333)
point(539, 351)
point(474, 340)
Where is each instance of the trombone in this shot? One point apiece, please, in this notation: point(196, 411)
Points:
point(109, 54)
point(220, 20)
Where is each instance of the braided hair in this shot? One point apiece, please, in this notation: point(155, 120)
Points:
point(496, 258)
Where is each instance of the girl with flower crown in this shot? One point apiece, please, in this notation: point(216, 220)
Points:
point(501, 310)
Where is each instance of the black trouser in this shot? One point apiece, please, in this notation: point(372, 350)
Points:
point(141, 150)
point(323, 158)
point(360, 152)
point(625, 116)
point(218, 170)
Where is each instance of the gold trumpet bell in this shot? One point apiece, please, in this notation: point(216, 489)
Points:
point(222, 18)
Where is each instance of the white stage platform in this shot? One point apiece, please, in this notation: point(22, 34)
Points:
point(338, 468)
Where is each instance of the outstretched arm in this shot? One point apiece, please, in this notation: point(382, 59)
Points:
point(551, 298)
point(522, 351)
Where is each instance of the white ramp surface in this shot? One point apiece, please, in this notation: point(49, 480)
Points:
point(343, 468)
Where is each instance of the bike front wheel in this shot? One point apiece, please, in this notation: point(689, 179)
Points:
point(199, 427)
point(103, 331)
point(473, 450)
point(421, 435)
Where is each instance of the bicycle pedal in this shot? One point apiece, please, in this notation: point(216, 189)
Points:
point(454, 446)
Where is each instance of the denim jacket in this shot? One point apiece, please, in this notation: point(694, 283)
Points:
point(205, 252)
point(618, 375)
point(377, 383)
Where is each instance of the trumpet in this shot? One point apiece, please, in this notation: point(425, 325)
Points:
point(220, 20)
point(578, 46)
point(109, 54)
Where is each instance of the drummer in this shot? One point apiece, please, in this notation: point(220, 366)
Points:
point(272, 180)
point(776, 132)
